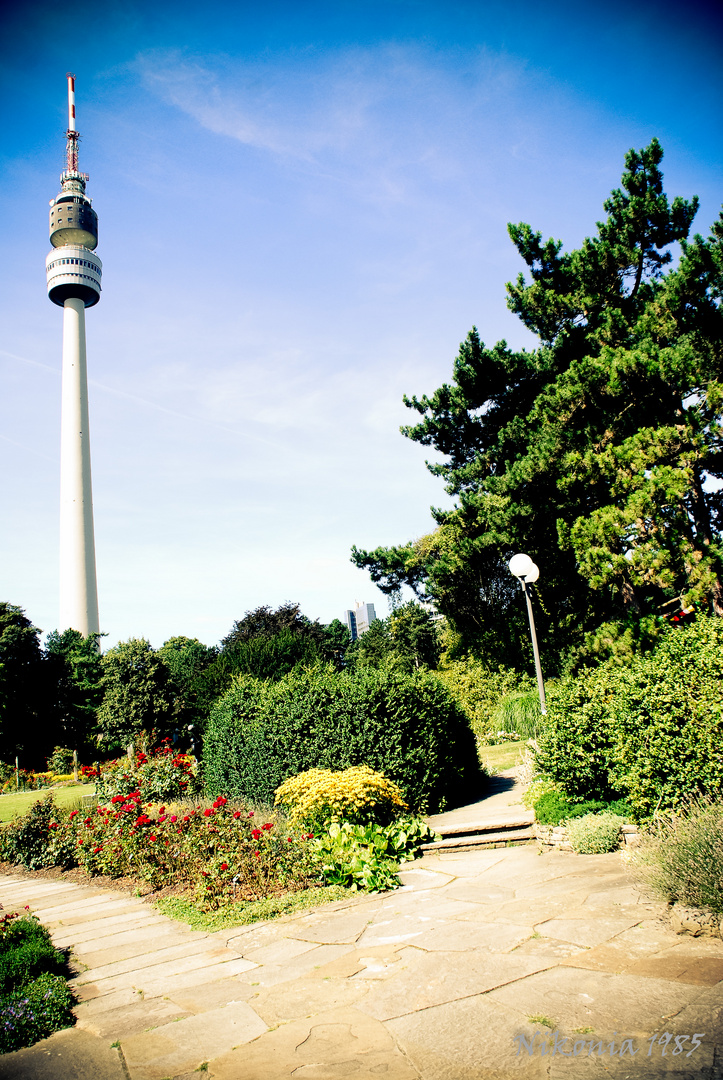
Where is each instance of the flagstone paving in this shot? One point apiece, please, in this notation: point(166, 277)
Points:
point(436, 981)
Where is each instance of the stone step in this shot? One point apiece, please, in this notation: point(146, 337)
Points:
point(521, 820)
point(481, 839)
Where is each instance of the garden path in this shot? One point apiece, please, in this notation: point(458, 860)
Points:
point(431, 982)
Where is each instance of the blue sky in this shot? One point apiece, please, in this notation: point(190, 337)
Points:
point(302, 211)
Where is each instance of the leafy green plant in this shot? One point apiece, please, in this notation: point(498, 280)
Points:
point(358, 795)
point(649, 732)
point(406, 726)
point(681, 858)
point(594, 834)
point(368, 856)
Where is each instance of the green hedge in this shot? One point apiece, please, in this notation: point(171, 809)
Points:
point(651, 732)
point(405, 726)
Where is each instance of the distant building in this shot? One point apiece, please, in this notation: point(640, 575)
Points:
point(360, 619)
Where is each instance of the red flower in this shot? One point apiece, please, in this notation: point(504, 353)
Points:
point(73, 813)
point(96, 850)
point(268, 825)
point(256, 833)
point(251, 813)
point(208, 812)
point(162, 810)
point(224, 866)
point(237, 813)
point(220, 801)
point(152, 837)
point(257, 853)
point(290, 840)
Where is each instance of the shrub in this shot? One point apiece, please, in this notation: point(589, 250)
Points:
point(650, 732)
point(34, 998)
point(35, 1011)
point(682, 859)
point(407, 727)
point(594, 834)
point(29, 841)
point(479, 691)
point(368, 856)
point(26, 951)
point(552, 808)
point(358, 795)
point(160, 776)
point(61, 760)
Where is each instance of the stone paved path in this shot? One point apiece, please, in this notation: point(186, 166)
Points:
point(431, 982)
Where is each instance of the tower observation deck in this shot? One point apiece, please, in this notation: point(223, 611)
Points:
point(73, 274)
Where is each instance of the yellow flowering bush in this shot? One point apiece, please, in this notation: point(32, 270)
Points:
point(359, 795)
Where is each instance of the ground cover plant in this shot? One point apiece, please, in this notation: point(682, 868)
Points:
point(406, 726)
point(681, 856)
point(554, 808)
point(35, 999)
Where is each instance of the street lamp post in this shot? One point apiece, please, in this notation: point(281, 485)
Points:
point(523, 568)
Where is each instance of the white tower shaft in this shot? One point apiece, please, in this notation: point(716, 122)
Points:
point(78, 589)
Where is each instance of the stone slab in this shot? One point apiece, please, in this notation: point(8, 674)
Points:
point(587, 932)
point(470, 1039)
point(497, 937)
point(336, 928)
point(150, 957)
point(72, 1054)
point(305, 998)
point(271, 974)
point(113, 1024)
point(574, 998)
point(186, 1044)
point(333, 1045)
point(424, 980)
point(166, 972)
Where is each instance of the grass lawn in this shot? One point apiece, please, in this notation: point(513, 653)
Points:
point(18, 802)
point(500, 758)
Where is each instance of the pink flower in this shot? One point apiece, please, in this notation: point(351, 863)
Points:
point(173, 819)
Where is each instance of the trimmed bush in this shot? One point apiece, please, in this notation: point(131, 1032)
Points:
point(683, 858)
point(358, 795)
point(407, 727)
point(650, 732)
point(552, 808)
point(594, 834)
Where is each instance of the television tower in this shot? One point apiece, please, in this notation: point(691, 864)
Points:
point(73, 271)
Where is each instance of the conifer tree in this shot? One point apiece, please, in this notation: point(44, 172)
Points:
point(598, 452)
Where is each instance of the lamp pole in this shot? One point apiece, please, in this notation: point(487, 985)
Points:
point(526, 572)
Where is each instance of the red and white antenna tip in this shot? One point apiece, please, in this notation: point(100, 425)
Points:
point(71, 101)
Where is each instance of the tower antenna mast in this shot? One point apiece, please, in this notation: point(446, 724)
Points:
point(74, 273)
